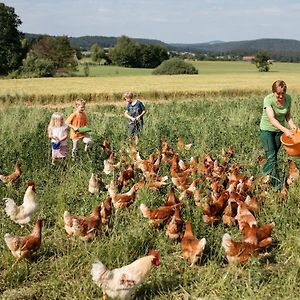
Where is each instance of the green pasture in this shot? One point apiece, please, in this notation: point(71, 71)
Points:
point(61, 268)
point(112, 71)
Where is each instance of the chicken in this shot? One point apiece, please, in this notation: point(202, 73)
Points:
point(109, 164)
point(105, 146)
point(94, 184)
point(192, 248)
point(22, 214)
point(258, 235)
point(293, 172)
point(244, 216)
point(25, 246)
point(160, 214)
point(87, 228)
point(181, 145)
point(121, 283)
point(13, 177)
point(125, 177)
point(171, 198)
point(214, 208)
point(230, 212)
point(154, 181)
point(106, 211)
point(125, 199)
point(238, 252)
point(174, 226)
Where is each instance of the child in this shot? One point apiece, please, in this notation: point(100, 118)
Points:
point(75, 121)
point(134, 113)
point(57, 132)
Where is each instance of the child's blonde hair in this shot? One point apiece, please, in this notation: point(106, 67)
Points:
point(57, 120)
point(79, 101)
point(128, 95)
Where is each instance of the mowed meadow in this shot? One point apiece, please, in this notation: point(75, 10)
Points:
point(212, 111)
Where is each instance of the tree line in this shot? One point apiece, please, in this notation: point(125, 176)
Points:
point(47, 56)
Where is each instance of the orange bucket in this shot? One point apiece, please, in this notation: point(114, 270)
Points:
point(291, 145)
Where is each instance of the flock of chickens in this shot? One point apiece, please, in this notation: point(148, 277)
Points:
point(231, 199)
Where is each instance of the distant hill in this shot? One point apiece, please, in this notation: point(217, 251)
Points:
point(273, 45)
point(279, 49)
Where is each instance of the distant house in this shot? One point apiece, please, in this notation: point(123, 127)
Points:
point(248, 58)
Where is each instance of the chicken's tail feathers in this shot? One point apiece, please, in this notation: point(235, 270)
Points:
point(10, 207)
point(67, 218)
point(226, 240)
point(98, 270)
point(202, 243)
point(143, 209)
point(9, 240)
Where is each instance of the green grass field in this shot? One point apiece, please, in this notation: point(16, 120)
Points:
point(61, 268)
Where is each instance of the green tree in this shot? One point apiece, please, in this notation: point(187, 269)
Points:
point(262, 61)
point(37, 67)
point(126, 53)
point(55, 49)
point(152, 56)
point(11, 51)
point(97, 53)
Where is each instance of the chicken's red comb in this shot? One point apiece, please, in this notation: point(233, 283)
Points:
point(30, 183)
point(154, 253)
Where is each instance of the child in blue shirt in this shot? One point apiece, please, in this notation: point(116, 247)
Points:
point(134, 113)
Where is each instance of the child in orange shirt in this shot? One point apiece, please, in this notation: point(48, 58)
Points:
point(75, 121)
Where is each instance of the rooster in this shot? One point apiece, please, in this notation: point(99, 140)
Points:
point(86, 228)
point(22, 214)
point(13, 177)
point(192, 248)
point(25, 246)
point(121, 283)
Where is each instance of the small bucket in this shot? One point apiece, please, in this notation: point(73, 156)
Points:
point(55, 146)
point(291, 145)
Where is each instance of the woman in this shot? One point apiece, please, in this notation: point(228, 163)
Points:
point(276, 111)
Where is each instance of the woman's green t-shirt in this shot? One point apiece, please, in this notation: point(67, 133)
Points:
point(279, 112)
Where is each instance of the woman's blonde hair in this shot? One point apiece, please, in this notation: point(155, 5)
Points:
point(57, 116)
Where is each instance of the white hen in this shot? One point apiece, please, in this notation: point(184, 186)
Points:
point(121, 283)
point(22, 214)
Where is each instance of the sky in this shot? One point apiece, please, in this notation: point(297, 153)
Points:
point(170, 21)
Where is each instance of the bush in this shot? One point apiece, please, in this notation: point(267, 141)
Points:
point(37, 67)
point(175, 66)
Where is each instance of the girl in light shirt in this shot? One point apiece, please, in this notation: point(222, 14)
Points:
point(58, 134)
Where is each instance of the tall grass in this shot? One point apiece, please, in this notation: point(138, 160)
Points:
point(61, 268)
